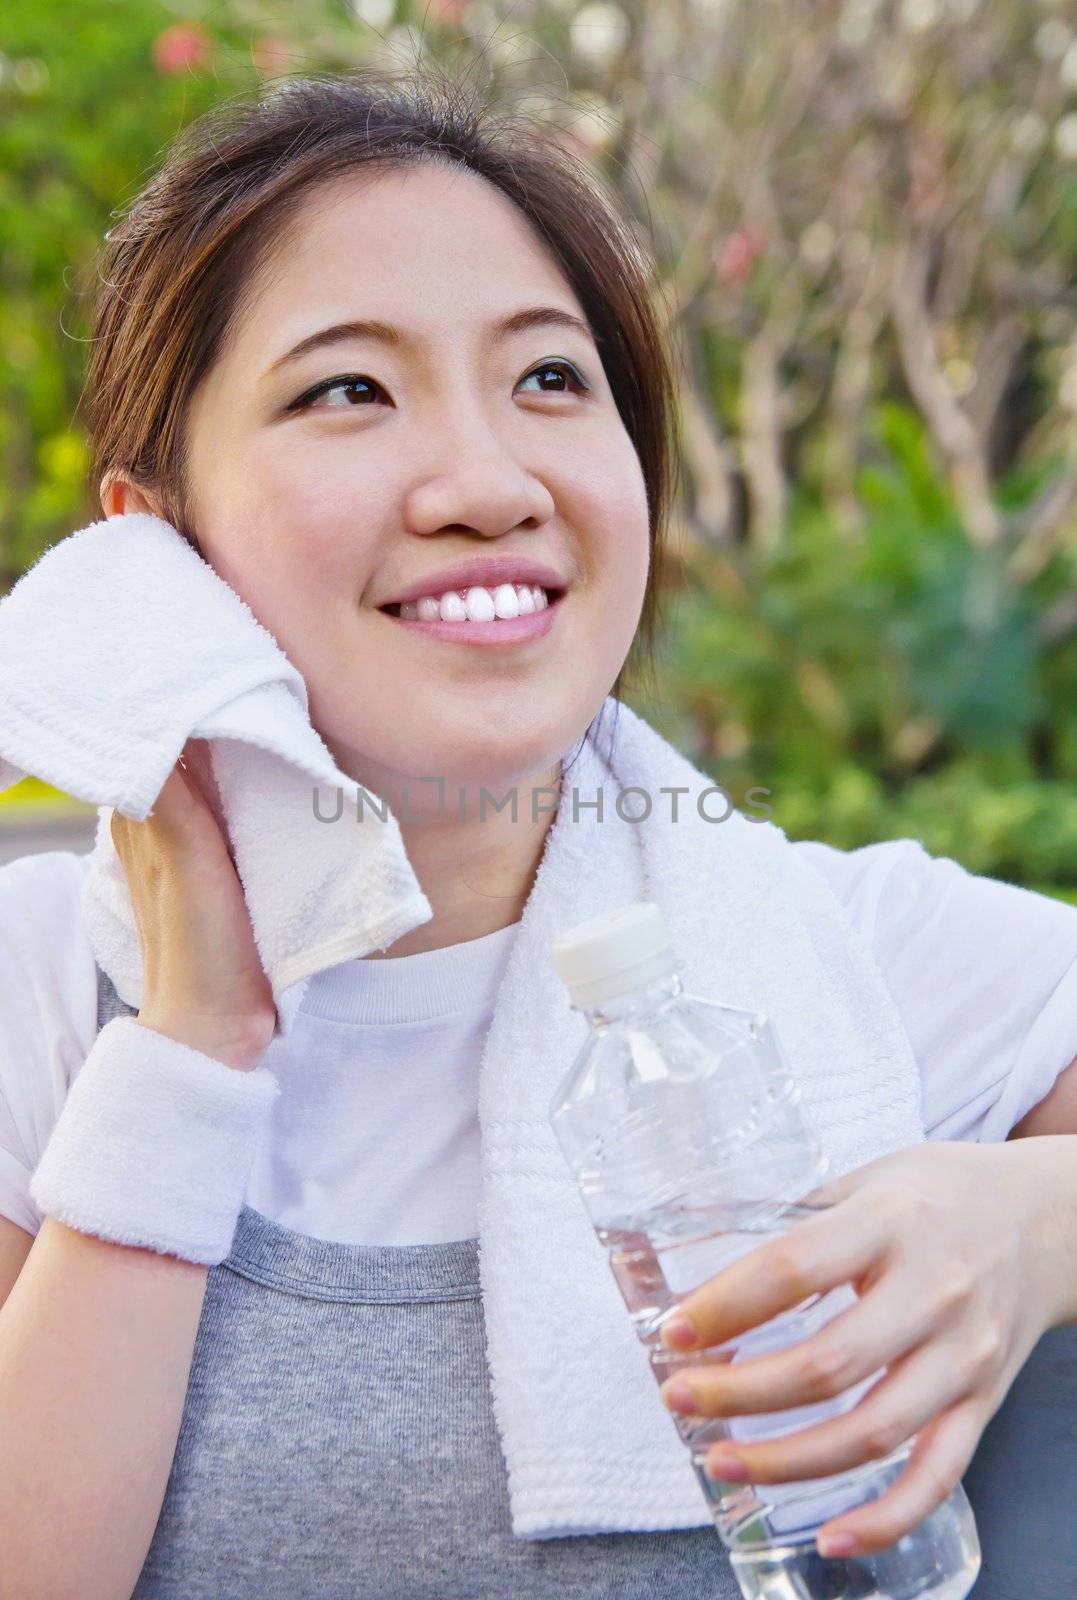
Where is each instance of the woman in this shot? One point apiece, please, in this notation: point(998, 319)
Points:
point(350, 341)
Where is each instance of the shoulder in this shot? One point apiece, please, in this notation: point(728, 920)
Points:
point(865, 878)
point(895, 891)
point(47, 956)
point(48, 1011)
point(983, 972)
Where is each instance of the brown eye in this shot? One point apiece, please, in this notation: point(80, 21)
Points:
point(348, 380)
point(562, 369)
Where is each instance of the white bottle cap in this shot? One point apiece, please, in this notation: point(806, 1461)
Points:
point(615, 954)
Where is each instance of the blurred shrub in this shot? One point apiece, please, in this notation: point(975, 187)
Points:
point(898, 684)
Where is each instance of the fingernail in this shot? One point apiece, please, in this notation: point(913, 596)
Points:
point(729, 1467)
point(678, 1395)
point(837, 1544)
point(679, 1332)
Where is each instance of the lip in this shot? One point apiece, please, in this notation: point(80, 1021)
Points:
point(483, 571)
point(493, 635)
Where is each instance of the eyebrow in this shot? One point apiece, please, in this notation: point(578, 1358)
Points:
point(384, 333)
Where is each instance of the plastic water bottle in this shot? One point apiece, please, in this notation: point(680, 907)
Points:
point(684, 1130)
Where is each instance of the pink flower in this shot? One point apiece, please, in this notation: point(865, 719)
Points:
point(182, 46)
point(737, 254)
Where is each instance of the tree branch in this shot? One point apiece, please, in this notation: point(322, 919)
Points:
point(953, 434)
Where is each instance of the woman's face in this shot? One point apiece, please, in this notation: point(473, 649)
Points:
point(448, 441)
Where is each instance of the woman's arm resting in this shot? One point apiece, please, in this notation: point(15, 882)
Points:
point(1056, 1112)
point(1052, 1125)
point(1049, 1164)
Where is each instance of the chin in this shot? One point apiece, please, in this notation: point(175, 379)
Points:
point(495, 770)
point(466, 750)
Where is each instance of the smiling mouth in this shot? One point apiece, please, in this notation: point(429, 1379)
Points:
point(552, 595)
point(497, 633)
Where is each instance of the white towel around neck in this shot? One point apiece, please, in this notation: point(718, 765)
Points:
point(119, 645)
point(589, 1445)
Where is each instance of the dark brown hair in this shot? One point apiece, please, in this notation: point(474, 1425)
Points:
point(177, 263)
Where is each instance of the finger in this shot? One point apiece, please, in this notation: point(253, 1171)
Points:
point(937, 1462)
point(833, 1191)
point(817, 1254)
point(181, 810)
point(886, 1323)
point(915, 1390)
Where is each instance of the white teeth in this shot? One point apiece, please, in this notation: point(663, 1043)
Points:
point(451, 608)
point(477, 604)
point(506, 601)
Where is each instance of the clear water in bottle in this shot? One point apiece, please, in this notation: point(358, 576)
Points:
point(685, 1132)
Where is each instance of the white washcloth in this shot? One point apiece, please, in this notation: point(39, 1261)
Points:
point(119, 645)
point(589, 1445)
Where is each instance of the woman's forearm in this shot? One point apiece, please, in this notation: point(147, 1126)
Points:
point(1046, 1168)
point(96, 1341)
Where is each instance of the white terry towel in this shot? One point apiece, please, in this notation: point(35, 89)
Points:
point(588, 1443)
point(118, 646)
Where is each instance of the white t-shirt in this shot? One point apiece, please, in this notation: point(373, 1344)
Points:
point(374, 1138)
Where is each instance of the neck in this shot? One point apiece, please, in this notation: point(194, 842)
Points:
point(477, 870)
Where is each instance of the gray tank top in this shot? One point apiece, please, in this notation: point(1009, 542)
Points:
point(338, 1442)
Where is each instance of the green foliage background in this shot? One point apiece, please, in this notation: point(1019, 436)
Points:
point(813, 657)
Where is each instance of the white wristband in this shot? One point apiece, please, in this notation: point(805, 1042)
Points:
point(154, 1145)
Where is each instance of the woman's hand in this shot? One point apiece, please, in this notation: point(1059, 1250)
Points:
point(203, 980)
point(955, 1251)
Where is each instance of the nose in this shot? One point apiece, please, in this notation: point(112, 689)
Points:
point(479, 486)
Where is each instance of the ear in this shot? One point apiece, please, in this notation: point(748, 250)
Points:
point(119, 495)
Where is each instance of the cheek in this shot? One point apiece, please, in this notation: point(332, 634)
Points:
point(612, 516)
point(296, 534)
point(293, 572)
point(313, 510)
